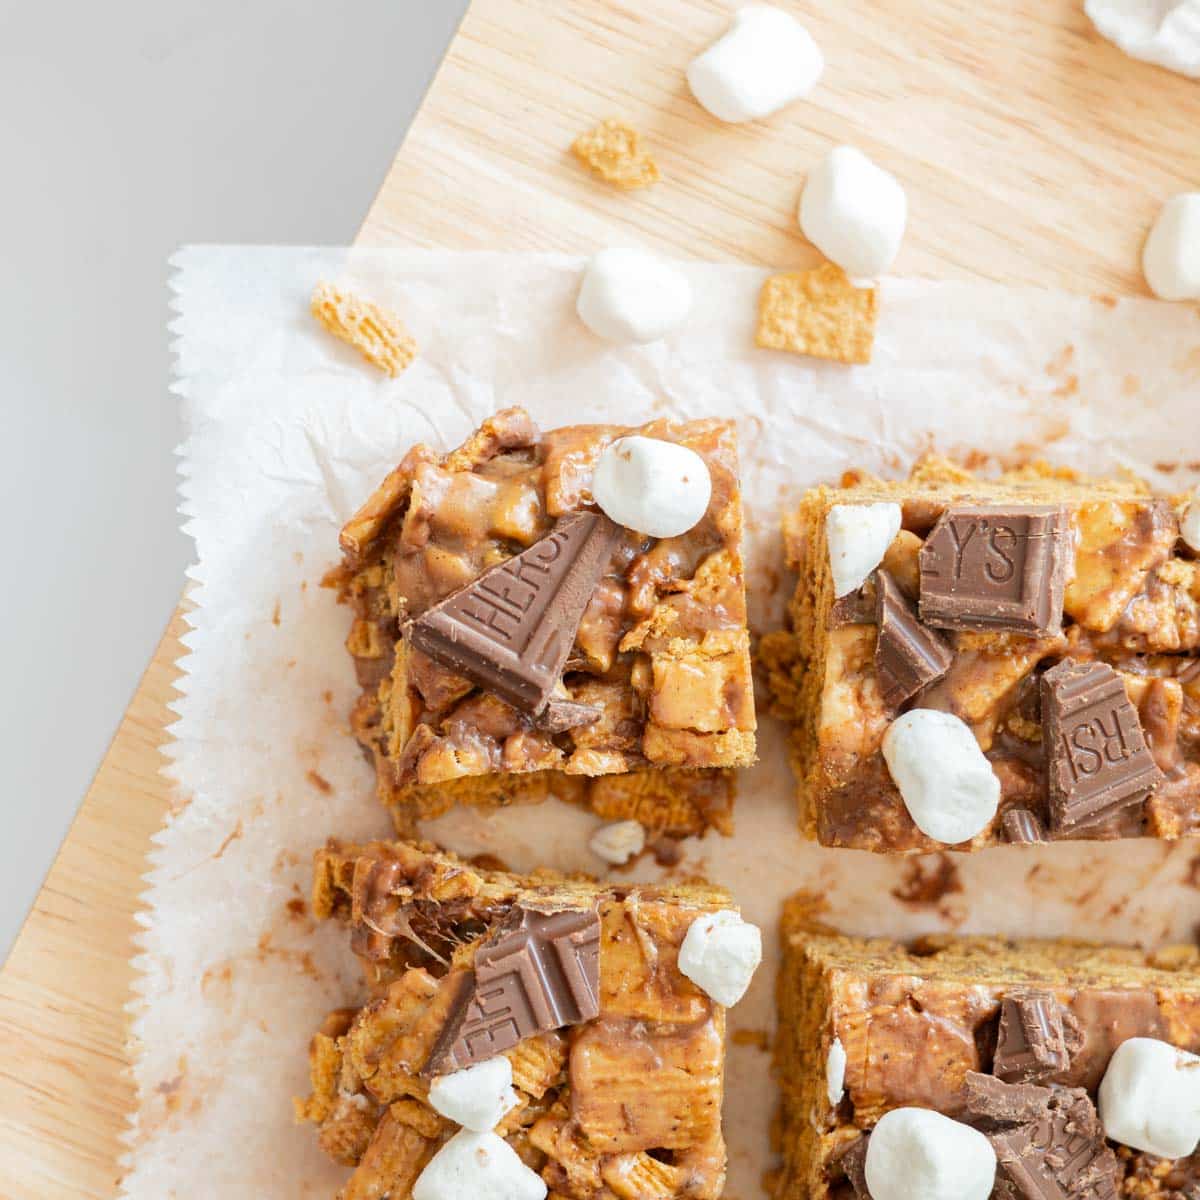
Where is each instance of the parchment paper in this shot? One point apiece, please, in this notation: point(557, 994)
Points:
point(289, 430)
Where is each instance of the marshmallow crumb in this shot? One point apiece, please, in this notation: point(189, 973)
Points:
point(946, 783)
point(765, 60)
point(476, 1098)
point(619, 842)
point(835, 1073)
point(477, 1166)
point(858, 536)
point(720, 954)
point(652, 486)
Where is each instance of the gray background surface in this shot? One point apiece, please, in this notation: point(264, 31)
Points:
point(126, 130)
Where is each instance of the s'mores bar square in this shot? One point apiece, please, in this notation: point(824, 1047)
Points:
point(524, 1036)
point(972, 1068)
point(556, 612)
point(971, 661)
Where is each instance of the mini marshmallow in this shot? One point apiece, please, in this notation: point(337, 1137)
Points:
point(619, 842)
point(947, 785)
point(476, 1098)
point(1150, 1098)
point(1166, 32)
point(858, 537)
point(1189, 525)
point(917, 1154)
point(651, 486)
point(854, 212)
point(629, 295)
point(477, 1166)
point(835, 1072)
point(1171, 256)
point(765, 60)
point(720, 954)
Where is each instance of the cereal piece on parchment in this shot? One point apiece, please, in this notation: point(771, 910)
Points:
point(375, 332)
point(613, 152)
point(818, 312)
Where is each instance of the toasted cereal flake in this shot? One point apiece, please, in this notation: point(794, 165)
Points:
point(374, 331)
point(818, 312)
point(613, 152)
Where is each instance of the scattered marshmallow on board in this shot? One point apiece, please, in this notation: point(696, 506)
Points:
point(764, 62)
point(1165, 32)
point(1171, 256)
point(854, 212)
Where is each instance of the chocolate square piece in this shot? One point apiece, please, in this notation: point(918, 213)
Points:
point(510, 630)
point(1049, 1142)
point(1022, 828)
point(540, 973)
point(1097, 755)
point(996, 568)
point(1036, 1038)
point(908, 656)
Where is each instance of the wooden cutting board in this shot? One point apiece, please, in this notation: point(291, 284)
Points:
point(1033, 152)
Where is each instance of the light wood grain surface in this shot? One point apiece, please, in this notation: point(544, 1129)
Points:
point(1033, 152)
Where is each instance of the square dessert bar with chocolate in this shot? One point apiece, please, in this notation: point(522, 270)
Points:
point(972, 661)
point(513, 640)
point(540, 1031)
point(1014, 1047)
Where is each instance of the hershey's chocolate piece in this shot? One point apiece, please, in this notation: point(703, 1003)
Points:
point(991, 1103)
point(1022, 828)
point(1048, 1141)
point(1001, 567)
point(854, 608)
point(561, 715)
point(1097, 758)
point(541, 971)
point(854, 1163)
point(908, 656)
point(1035, 1039)
point(510, 631)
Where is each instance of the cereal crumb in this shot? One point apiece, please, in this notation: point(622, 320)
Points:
point(818, 312)
point(613, 152)
point(376, 333)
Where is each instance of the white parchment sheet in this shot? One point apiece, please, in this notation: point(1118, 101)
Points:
point(288, 431)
